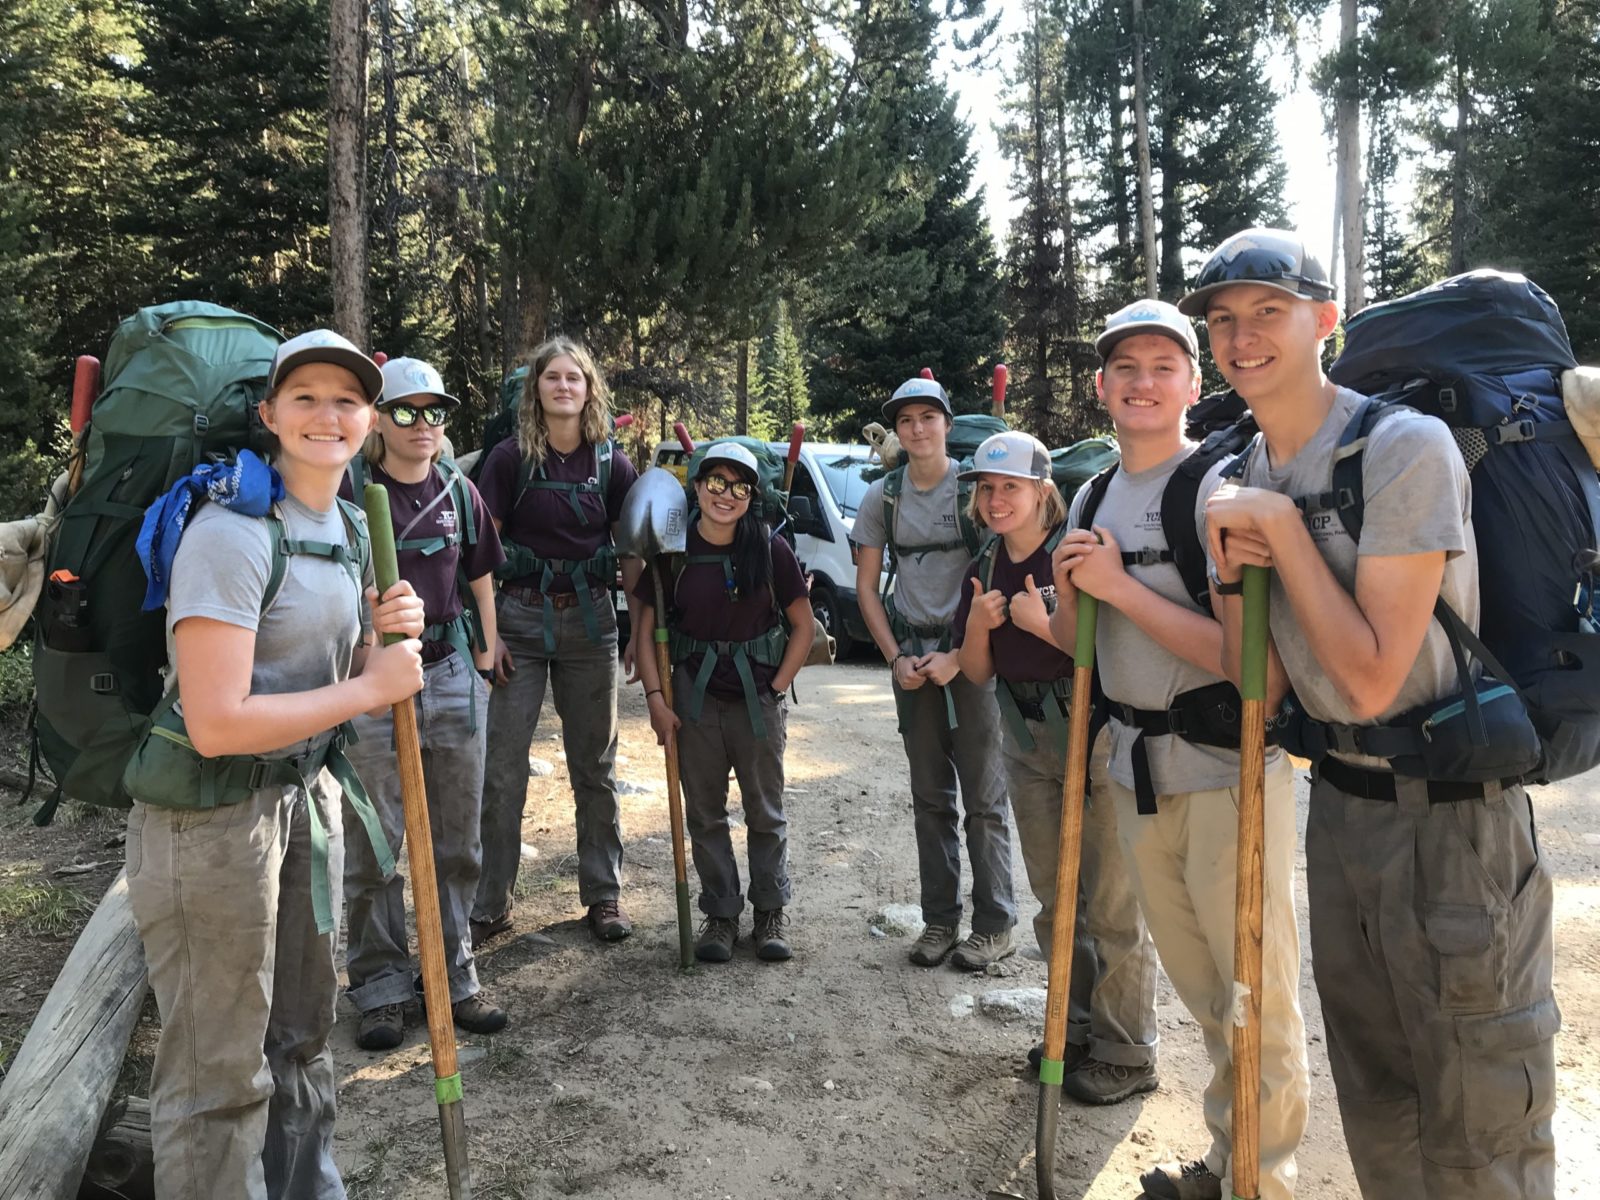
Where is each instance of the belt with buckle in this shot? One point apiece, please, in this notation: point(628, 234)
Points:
point(530, 595)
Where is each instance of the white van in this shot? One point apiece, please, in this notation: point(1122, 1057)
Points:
point(833, 477)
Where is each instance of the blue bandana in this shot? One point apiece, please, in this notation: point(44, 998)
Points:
point(247, 486)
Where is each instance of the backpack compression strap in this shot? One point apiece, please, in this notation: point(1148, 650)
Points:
point(597, 484)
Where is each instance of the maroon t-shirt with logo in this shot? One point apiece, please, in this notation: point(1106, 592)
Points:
point(542, 518)
point(425, 510)
point(702, 608)
point(1019, 656)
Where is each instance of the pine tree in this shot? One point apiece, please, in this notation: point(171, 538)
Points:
point(235, 204)
point(779, 395)
point(919, 285)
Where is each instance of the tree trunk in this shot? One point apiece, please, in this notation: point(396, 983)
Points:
point(1118, 164)
point(1141, 126)
point(389, 208)
point(741, 392)
point(1458, 169)
point(1349, 154)
point(57, 1088)
point(347, 166)
point(1171, 204)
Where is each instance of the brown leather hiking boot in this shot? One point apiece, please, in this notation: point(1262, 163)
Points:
point(608, 922)
point(1181, 1181)
point(381, 1028)
point(483, 931)
point(477, 1014)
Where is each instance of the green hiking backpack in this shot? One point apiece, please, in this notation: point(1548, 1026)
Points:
point(1073, 466)
point(181, 383)
point(502, 424)
point(968, 431)
point(771, 501)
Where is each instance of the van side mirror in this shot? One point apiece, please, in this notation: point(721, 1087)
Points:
point(804, 519)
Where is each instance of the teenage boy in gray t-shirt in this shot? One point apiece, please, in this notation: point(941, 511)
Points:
point(1430, 901)
point(1176, 800)
point(950, 725)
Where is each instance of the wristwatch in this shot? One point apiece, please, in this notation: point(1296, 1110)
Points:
point(1224, 589)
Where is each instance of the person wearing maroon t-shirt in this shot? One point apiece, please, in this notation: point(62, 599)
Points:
point(1002, 630)
point(732, 663)
point(554, 491)
point(443, 534)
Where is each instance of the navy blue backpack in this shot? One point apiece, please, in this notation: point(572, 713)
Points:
point(1484, 353)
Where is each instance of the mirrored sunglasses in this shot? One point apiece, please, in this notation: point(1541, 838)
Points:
point(405, 415)
point(717, 485)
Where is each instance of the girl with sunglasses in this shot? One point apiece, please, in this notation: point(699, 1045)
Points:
point(447, 546)
point(554, 491)
point(736, 588)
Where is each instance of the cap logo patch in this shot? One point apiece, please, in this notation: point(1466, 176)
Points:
point(996, 453)
point(1237, 247)
point(419, 375)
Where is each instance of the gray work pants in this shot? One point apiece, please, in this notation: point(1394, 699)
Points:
point(708, 746)
point(939, 757)
point(378, 955)
point(1111, 1005)
point(242, 1095)
point(582, 676)
point(1431, 943)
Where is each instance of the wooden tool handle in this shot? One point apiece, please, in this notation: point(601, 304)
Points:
point(419, 836)
point(684, 439)
point(1247, 940)
point(1069, 848)
point(797, 435)
point(85, 386)
point(997, 398)
point(680, 857)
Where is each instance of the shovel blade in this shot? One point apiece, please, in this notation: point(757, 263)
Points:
point(655, 516)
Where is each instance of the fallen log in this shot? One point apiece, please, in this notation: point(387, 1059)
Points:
point(55, 1093)
point(122, 1162)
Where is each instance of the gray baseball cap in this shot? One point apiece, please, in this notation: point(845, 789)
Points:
point(730, 452)
point(407, 377)
point(324, 345)
point(1010, 453)
point(1147, 316)
point(917, 391)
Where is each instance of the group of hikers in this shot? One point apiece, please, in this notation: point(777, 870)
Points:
point(1430, 902)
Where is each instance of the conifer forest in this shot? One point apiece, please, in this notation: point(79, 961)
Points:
point(753, 210)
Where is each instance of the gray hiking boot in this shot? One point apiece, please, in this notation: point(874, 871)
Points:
point(1072, 1057)
point(717, 935)
point(981, 949)
point(936, 941)
point(381, 1028)
point(1181, 1181)
point(1096, 1082)
point(771, 935)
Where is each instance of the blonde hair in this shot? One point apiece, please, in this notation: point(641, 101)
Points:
point(533, 435)
point(1052, 508)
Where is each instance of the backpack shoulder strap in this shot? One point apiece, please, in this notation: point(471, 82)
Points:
point(357, 538)
point(1178, 501)
point(456, 483)
point(986, 555)
point(964, 523)
point(359, 476)
point(1348, 493)
point(602, 466)
point(1098, 486)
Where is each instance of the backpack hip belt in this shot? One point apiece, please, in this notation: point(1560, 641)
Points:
point(1380, 785)
point(588, 575)
point(1033, 701)
point(919, 635)
point(1205, 716)
point(460, 635)
point(767, 650)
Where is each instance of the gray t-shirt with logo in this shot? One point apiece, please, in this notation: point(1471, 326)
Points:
point(1135, 669)
point(1418, 499)
point(306, 637)
point(927, 586)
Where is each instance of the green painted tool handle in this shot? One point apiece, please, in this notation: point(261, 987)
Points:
point(1088, 613)
point(1253, 653)
point(380, 528)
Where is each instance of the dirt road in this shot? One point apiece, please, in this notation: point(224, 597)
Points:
point(847, 1072)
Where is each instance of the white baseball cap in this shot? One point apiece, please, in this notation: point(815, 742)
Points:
point(1011, 453)
point(324, 345)
point(1147, 316)
point(731, 452)
point(407, 377)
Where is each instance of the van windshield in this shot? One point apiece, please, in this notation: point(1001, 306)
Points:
point(847, 477)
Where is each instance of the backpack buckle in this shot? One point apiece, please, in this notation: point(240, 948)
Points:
point(1447, 399)
point(1147, 557)
point(104, 683)
point(1513, 431)
point(258, 775)
point(202, 424)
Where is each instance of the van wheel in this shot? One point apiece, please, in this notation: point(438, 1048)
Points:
point(825, 604)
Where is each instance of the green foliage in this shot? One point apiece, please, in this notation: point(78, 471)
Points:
point(38, 907)
point(16, 680)
point(779, 395)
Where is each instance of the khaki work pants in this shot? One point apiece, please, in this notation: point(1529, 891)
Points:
point(1183, 860)
point(242, 1096)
